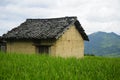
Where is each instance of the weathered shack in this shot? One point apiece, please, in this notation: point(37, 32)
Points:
point(56, 36)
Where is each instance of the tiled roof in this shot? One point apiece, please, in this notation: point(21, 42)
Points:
point(44, 28)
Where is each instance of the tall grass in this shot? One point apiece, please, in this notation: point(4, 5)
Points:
point(43, 67)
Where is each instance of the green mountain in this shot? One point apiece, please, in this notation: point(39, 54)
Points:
point(103, 44)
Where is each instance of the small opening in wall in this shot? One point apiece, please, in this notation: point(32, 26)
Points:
point(43, 49)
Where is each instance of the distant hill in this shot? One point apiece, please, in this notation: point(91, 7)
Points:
point(103, 44)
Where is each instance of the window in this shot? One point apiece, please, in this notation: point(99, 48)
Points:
point(43, 49)
point(2, 48)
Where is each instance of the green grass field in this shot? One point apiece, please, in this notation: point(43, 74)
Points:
point(43, 67)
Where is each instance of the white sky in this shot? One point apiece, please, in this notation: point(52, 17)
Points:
point(94, 15)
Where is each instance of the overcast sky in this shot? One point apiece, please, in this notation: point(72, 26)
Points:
point(94, 15)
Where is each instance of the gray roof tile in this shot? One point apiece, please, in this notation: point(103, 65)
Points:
point(44, 28)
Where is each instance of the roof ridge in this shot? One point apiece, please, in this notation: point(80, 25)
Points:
point(51, 18)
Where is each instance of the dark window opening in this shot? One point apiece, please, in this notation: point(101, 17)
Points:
point(3, 48)
point(43, 49)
